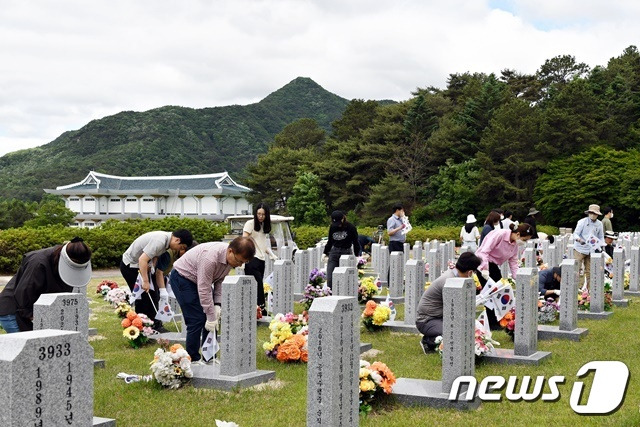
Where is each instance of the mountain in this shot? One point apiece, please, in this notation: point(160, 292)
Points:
point(169, 140)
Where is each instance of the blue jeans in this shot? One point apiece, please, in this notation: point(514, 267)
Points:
point(9, 323)
point(192, 313)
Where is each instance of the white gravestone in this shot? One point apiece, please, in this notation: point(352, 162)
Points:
point(634, 272)
point(406, 253)
point(530, 258)
point(432, 260)
point(302, 270)
point(345, 282)
point(443, 255)
point(552, 256)
point(47, 379)
point(544, 247)
point(237, 366)
point(348, 261)
point(383, 265)
point(282, 287)
point(268, 266)
point(375, 257)
point(417, 250)
point(65, 311)
point(617, 283)
point(286, 252)
point(396, 275)
point(334, 362)
point(596, 291)
point(568, 328)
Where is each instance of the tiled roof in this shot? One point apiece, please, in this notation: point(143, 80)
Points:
point(219, 183)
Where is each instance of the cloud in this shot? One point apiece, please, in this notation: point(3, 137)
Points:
point(71, 61)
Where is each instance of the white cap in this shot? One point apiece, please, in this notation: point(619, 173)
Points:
point(72, 273)
point(471, 219)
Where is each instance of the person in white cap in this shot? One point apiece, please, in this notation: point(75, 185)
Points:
point(469, 233)
point(46, 271)
point(588, 238)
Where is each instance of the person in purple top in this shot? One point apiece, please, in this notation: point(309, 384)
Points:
point(192, 277)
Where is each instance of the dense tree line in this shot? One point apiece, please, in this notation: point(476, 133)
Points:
point(559, 139)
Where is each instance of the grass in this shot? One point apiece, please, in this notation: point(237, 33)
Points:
point(283, 402)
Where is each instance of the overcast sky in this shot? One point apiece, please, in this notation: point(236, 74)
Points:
point(64, 63)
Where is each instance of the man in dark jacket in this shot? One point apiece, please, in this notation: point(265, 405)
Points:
point(549, 282)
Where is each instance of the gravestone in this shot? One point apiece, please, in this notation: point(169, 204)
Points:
point(312, 258)
point(570, 254)
point(544, 247)
point(432, 260)
point(47, 379)
point(451, 245)
point(396, 275)
point(240, 270)
point(383, 265)
point(286, 252)
point(617, 282)
point(320, 254)
point(414, 287)
point(334, 362)
point(348, 261)
point(596, 291)
point(560, 253)
point(505, 270)
point(553, 258)
point(66, 311)
point(406, 253)
point(417, 250)
point(464, 249)
point(634, 273)
point(302, 270)
point(525, 349)
point(375, 257)
point(237, 366)
point(627, 248)
point(568, 328)
point(530, 258)
point(282, 287)
point(345, 282)
point(458, 358)
point(443, 258)
point(434, 244)
point(268, 266)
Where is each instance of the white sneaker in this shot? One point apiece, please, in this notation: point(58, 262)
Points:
point(202, 363)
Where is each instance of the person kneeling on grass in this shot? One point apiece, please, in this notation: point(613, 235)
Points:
point(429, 319)
point(549, 282)
point(191, 279)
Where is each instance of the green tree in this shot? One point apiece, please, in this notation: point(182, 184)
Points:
point(51, 211)
point(391, 189)
point(303, 133)
point(14, 213)
point(358, 115)
point(306, 204)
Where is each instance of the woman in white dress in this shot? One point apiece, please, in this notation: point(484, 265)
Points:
point(469, 233)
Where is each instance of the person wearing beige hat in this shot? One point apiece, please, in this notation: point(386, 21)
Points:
point(469, 233)
point(588, 238)
point(57, 269)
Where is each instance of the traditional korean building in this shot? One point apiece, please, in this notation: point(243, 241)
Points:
point(99, 197)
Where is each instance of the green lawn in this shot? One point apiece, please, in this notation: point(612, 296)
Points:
point(283, 402)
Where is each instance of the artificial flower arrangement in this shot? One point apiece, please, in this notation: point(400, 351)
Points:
point(268, 296)
point(376, 380)
point(584, 299)
point(510, 281)
point(369, 287)
point(171, 366)
point(451, 265)
point(288, 338)
point(375, 315)
point(315, 289)
point(548, 310)
point(105, 286)
point(627, 279)
point(426, 269)
point(483, 342)
point(508, 322)
point(122, 309)
point(117, 295)
point(360, 265)
point(137, 328)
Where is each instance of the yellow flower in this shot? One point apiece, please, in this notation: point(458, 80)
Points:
point(268, 346)
point(427, 284)
point(367, 385)
point(381, 315)
point(131, 332)
point(364, 372)
point(266, 287)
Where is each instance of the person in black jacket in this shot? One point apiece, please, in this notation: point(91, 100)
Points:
point(46, 271)
point(342, 236)
point(531, 220)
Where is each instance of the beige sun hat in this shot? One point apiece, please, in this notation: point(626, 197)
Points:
point(593, 209)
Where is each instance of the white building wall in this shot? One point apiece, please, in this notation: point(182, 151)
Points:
point(148, 205)
point(115, 205)
point(190, 205)
point(130, 205)
point(89, 205)
point(74, 204)
point(209, 205)
point(173, 205)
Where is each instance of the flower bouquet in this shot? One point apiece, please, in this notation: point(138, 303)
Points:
point(426, 269)
point(584, 299)
point(548, 311)
point(508, 322)
point(315, 288)
point(627, 279)
point(117, 295)
point(374, 315)
point(171, 367)
point(484, 343)
point(137, 328)
point(376, 380)
point(122, 309)
point(367, 289)
point(105, 286)
point(451, 265)
point(283, 327)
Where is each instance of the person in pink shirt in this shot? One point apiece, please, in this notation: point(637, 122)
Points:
point(498, 247)
point(192, 278)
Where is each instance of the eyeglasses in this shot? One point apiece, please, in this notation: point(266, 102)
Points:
point(238, 261)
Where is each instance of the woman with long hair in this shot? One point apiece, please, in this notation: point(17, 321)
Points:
point(258, 230)
point(60, 268)
point(491, 223)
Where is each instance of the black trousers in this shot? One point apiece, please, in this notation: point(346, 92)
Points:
point(395, 246)
point(496, 275)
point(431, 329)
point(255, 268)
point(143, 305)
point(334, 261)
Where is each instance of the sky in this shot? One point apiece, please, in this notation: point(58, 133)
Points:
point(64, 63)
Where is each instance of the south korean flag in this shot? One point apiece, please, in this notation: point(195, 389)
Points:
point(503, 302)
point(210, 346)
